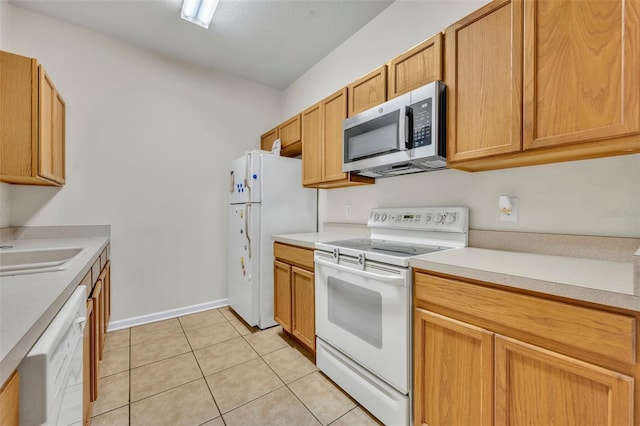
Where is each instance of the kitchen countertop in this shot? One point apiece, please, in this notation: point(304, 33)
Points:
point(28, 303)
point(605, 282)
point(309, 240)
point(598, 281)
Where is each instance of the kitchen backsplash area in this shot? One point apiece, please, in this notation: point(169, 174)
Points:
point(588, 197)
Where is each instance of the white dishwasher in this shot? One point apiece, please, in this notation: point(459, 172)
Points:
point(51, 374)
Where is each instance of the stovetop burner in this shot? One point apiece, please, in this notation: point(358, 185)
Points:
point(399, 234)
point(391, 248)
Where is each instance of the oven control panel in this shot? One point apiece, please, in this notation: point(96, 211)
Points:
point(446, 219)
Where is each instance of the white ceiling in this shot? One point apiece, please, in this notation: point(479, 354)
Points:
point(272, 42)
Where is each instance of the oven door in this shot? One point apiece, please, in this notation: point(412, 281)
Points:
point(380, 136)
point(365, 314)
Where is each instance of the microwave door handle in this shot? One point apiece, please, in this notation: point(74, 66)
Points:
point(408, 127)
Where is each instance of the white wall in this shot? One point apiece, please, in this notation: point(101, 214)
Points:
point(592, 197)
point(5, 215)
point(148, 145)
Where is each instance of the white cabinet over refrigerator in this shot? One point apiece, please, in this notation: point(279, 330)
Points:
point(266, 198)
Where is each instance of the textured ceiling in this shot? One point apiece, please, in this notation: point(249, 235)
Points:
point(271, 42)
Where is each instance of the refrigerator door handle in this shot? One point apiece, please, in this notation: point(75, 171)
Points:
point(247, 174)
point(246, 227)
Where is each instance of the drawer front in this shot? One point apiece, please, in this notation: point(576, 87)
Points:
point(103, 258)
point(560, 324)
point(299, 256)
point(86, 281)
point(95, 271)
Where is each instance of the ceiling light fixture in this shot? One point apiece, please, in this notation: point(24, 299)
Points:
point(199, 12)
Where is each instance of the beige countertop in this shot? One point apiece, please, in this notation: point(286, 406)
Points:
point(309, 240)
point(604, 282)
point(28, 303)
point(598, 281)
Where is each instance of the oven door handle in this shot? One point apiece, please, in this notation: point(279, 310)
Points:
point(399, 280)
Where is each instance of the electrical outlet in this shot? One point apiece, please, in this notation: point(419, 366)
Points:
point(513, 216)
point(348, 212)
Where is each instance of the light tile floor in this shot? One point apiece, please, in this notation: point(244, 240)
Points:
point(211, 369)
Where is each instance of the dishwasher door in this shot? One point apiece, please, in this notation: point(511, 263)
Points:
point(51, 374)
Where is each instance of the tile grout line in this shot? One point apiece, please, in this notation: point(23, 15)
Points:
point(203, 375)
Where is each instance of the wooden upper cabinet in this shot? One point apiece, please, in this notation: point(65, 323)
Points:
point(416, 67)
point(52, 128)
point(266, 140)
point(322, 144)
point(290, 134)
point(312, 146)
point(32, 135)
point(368, 91)
point(581, 71)
point(484, 79)
point(334, 112)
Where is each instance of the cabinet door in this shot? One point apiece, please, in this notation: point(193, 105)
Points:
point(51, 130)
point(368, 91)
point(266, 140)
point(282, 294)
point(102, 310)
point(96, 300)
point(304, 306)
point(290, 137)
point(581, 71)
point(87, 362)
point(535, 386)
point(107, 296)
point(19, 107)
point(453, 372)
point(484, 81)
point(416, 67)
point(10, 402)
point(312, 149)
point(334, 110)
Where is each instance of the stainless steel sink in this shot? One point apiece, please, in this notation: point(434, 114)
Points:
point(32, 261)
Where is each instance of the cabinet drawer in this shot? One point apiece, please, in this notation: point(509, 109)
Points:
point(86, 281)
point(559, 325)
point(103, 258)
point(293, 255)
point(95, 271)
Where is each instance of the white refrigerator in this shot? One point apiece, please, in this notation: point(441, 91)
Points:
point(266, 198)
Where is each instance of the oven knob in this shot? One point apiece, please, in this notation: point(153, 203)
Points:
point(427, 218)
point(450, 218)
point(376, 217)
point(384, 217)
point(439, 218)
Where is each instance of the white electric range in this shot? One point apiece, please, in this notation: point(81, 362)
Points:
point(363, 303)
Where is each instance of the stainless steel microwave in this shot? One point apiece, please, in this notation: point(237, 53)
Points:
point(401, 136)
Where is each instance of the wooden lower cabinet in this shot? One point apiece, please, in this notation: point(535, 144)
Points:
point(10, 401)
point(453, 372)
point(304, 306)
point(87, 366)
point(535, 386)
point(294, 293)
point(282, 294)
point(96, 324)
point(98, 314)
point(492, 356)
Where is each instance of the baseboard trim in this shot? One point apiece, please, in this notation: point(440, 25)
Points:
point(172, 313)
